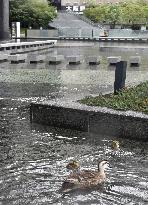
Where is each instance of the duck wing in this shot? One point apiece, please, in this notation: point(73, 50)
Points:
point(91, 178)
point(84, 178)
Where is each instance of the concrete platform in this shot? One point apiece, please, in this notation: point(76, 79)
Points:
point(135, 60)
point(113, 60)
point(18, 58)
point(73, 115)
point(23, 47)
point(93, 60)
point(73, 60)
point(55, 59)
point(3, 58)
point(35, 58)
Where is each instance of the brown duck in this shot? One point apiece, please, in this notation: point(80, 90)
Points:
point(85, 178)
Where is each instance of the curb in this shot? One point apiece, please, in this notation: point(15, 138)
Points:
point(73, 115)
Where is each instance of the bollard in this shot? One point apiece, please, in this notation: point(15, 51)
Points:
point(120, 76)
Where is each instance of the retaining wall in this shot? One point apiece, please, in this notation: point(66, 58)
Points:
point(90, 119)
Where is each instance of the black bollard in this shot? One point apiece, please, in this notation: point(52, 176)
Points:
point(120, 76)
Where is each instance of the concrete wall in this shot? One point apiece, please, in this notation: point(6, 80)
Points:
point(36, 33)
point(90, 119)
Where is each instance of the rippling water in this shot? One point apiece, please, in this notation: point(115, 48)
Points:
point(33, 157)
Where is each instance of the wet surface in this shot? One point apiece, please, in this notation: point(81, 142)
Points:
point(33, 157)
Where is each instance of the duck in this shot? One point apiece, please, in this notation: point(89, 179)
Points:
point(117, 151)
point(86, 178)
point(115, 145)
point(73, 166)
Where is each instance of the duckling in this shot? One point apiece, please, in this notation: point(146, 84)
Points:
point(85, 178)
point(73, 165)
point(115, 145)
point(117, 151)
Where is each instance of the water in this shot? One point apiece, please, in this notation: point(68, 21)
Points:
point(33, 157)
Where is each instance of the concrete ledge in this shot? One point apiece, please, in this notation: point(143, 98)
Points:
point(22, 47)
point(34, 58)
point(135, 60)
point(68, 114)
point(113, 60)
point(55, 59)
point(18, 58)
point(3, 57)
point(59, 116)
point(100, 39)
point(93, 60)
point(73, 60)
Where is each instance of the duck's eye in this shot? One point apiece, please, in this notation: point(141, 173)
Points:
point(104, 163)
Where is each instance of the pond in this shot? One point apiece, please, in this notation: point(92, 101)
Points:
point(33, 157)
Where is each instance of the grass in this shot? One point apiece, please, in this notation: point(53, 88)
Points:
point(133, 98)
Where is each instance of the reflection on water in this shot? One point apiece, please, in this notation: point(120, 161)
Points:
point(33, 157)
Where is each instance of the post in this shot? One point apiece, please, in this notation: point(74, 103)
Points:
point(15, 31)
point(4, 20)
point(92, 33)
point(120, 76)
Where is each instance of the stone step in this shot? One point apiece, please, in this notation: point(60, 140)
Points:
point(3, 57)
point(112, 60)
point(73, 60)
point(93, 60)
point(18, 58)
point(55, 59)
point(135, 60)
point(35, 58)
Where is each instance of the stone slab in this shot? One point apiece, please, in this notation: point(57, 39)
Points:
point(55, 59)
point(93, 60)
point(69, 114)
point(73, 59)
point(113, 59)
point(135, 60)
point(17, 57)
point(3, 57)
point(59, 117)
point(35, 58)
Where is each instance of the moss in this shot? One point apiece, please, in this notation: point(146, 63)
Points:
point(134, 98)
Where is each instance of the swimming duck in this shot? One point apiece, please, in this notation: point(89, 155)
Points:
point(85, 178)
point(115, 145)
point(73, 165)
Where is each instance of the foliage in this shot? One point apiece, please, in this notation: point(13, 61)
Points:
point(133, 13)
point(130, 12)
point(113, 15)
point(92, 13)
point(90, 3)
point(135, 98)
point(33, 13)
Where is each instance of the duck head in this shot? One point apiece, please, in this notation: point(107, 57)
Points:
point(103, 165)
point(73, 165)
point(115, 145)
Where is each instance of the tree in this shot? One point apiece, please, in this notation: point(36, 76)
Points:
point(96, 14)
point(113, 15)
point(33, 13)
point(133, 13)
point(104, 13)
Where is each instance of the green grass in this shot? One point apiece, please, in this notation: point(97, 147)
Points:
point(133, 98)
